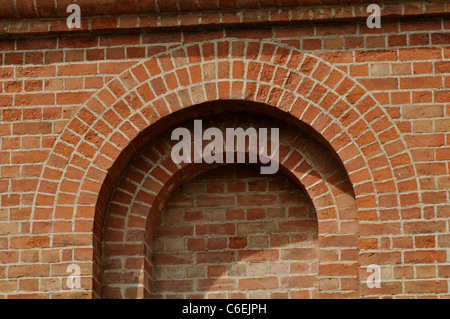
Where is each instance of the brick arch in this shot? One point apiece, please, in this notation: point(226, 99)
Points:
point(115, 123)
point(147, 184)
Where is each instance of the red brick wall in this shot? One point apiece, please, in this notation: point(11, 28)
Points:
point(76, 108)
point(243, 242)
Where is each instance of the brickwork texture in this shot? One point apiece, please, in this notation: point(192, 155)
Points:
point(86, 175)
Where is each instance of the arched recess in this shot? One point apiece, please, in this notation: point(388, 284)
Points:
point(244, 235)
point(122, 117)
point(147, 184)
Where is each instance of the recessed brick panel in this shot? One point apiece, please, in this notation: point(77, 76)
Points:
point(219, 258)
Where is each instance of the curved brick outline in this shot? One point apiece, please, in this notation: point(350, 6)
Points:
point(88, 155)
point(146, 185)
